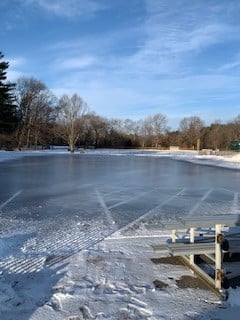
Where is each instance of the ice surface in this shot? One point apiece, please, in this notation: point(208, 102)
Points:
point(75, 239)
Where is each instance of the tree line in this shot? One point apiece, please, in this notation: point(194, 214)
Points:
point(31, 116)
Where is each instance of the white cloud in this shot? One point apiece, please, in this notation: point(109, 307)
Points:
point(13, 75)
point(164, 45)
point(180, 27)
point(16, 62)
point(76, 63)
point(231, 66)
point(16, 65)
point(149, 66)
point(70, 8)
point(115, 95)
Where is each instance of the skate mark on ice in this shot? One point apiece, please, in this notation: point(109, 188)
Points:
point(218, 201)
point(198, 204)
point(153, 211)
point(105, 208)
point(4, 204)
point(235, 207)
point(139, 196)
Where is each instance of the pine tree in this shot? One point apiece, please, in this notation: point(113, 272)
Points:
point(8, 112)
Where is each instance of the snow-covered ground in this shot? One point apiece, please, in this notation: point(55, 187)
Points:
point(109, 277)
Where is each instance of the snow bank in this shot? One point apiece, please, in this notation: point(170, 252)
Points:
point(12, 155)
point(234, 158)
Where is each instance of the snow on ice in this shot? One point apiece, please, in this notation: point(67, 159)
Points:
point(109, 277)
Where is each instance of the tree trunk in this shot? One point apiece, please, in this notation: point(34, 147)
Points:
point(71, 147)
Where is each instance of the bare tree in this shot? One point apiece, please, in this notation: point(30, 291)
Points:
point(35, 106)
point(190, 128)
point(98, 127)
point(212, 135)
point(130, 127)
point(159, 122)
point(70, 111)
point(151, 130)
point(142, 132)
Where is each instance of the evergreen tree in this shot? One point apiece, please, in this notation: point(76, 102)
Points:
point(8, 112)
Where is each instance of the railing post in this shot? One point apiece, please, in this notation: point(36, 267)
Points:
point(174, 235)
point(192, 239)
point(218, 258)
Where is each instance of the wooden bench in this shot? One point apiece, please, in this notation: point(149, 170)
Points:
point(211, 245)
point(182, 249)
point(209, 221)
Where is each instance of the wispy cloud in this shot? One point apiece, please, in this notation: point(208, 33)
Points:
point(16, 62)
point(76, 63)
point(231, 66)
point(177, 57)
point(70, 8)
point(168, 36)
point(178, 29)
point(158, 74)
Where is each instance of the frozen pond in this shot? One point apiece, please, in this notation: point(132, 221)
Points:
point(122, 188)
point(55, 208)
point(81, 198)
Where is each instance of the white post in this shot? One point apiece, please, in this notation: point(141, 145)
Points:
point(218, 258)
point(192, 239)
point(174, 235)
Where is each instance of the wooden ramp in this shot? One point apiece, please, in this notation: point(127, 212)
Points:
point(209, 246)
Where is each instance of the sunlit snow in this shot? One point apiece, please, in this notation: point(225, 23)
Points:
point(103, 270)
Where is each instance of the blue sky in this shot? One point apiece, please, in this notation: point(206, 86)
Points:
point(130, 58)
